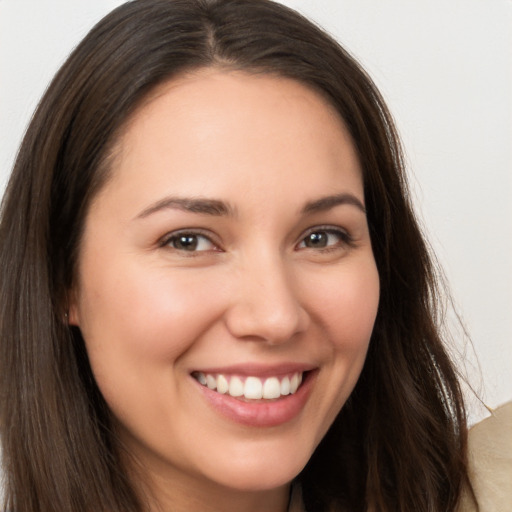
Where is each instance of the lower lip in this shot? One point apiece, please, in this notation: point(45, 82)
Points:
point(261, 413)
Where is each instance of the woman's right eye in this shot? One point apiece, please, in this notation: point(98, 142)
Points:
point(189, 242)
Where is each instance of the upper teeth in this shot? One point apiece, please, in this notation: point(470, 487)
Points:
point(251, 387)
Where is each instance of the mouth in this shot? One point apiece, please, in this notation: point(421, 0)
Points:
point(251, 388)
point(255, 395)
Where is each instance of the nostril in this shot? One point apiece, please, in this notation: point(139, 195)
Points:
point(270, 322)
point(264, 304)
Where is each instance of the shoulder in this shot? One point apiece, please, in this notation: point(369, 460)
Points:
point(490, 466)
point(490, 463)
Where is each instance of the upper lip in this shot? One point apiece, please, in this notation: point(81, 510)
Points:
point(257, 370)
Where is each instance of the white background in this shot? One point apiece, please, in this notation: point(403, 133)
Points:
point(445, 68)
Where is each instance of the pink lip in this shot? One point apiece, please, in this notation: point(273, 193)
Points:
point(259, 413)
point(257, 370)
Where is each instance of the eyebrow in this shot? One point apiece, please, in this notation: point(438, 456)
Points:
point(328, 202)
point(194, 205)
point(218, 208)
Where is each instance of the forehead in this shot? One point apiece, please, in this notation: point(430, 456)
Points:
point(212, 127)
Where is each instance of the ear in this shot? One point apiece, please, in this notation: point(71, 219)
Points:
point(72, 315)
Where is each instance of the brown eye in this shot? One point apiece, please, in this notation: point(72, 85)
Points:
point(316, 240)
point(190, 242)
point(324, 239)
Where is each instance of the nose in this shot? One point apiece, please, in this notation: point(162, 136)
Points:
point(266, 304)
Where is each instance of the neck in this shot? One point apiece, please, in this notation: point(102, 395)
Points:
point(182, 494)
point(269, 501)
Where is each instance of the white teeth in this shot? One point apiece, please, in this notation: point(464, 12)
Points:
point(236, 387)
point(285, 386)
point(222, 384)
point(211, 381)
point(252, 388)
point(271, 388)
point(294, 383)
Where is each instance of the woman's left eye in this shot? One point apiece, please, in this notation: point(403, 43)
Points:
point(324, 239)
point(189, 242)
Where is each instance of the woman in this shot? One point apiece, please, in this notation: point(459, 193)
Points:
point(216, 292)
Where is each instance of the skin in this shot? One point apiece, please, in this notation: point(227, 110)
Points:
point(254, 290)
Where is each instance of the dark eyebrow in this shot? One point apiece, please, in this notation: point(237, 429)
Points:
point(328, 202)
point(190, 204)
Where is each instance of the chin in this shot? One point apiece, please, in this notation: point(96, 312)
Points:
point(261, 471)
point(258, 480)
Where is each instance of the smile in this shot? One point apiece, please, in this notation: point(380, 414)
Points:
point(251, 387)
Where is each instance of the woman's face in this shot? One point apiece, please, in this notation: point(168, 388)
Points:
point(227, 260)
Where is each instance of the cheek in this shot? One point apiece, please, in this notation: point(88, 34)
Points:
point(137, 330)
point(347, 306)
point(142, 324)
point(345, 302)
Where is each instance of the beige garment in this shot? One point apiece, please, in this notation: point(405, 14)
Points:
point(490, 466)
point(490, 463)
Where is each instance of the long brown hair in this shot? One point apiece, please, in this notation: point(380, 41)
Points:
point(398, 444)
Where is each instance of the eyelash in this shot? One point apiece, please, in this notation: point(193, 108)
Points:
point(176, 235)
point(345, 240)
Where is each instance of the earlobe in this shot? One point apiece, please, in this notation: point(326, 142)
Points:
point(71, 316)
